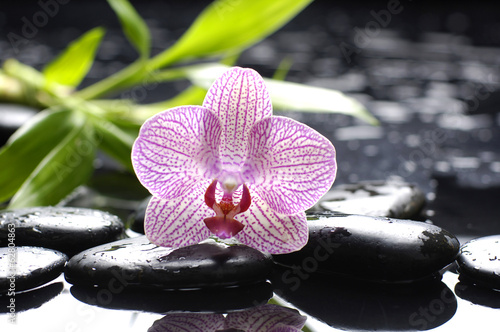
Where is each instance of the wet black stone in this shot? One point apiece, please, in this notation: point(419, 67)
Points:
point(394, 199)
point(69, 230)
point(33, 298)
point(479, 261)
point(32, 267)
point(348, 304)
point(213, 299)
point(136, 262)
point(136, 219)
point(372, 248)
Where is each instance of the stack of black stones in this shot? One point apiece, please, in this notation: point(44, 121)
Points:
point(387, 245)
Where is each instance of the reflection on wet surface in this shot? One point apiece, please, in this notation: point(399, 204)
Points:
point(330, 304)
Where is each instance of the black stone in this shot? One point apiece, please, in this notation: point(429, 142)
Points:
point(31, 299)
point(372, 248)
point(136, 219)
point(30, 266)
point(352, 305)
point(69, 230)
point(136, 262)
point(479, 261)
point(393, 199)
point(213, 299)
point(478, 294)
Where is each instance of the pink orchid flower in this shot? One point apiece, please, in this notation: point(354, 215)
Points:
point(231, 169)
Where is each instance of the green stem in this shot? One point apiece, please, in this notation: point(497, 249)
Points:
point(128, 76)
point(141, 70)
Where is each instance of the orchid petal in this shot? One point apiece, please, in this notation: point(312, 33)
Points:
point(178, 222)
point(192, 322)
point(289, 164)
point(267, 317)
point(269, 231)
point(239, 98)
point(176, 149)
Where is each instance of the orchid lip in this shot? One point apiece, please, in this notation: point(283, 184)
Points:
point(223, 224)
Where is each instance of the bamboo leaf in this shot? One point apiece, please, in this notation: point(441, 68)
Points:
point(71, 66)
point(116, 139)
point(133, 26)
point(29, 145)
point(227, 27)
point(290, 96)
point(66, 163)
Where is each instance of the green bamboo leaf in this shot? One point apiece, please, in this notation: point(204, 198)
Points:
point(116, 139)
point(133, 26)
point(227, 27)
point(290, 96)
point(68, 165)
point(71, 66)
point(28, 146)
point(303, 98)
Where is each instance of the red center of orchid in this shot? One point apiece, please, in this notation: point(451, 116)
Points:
point(223, 224)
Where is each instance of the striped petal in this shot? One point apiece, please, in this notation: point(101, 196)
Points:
point(176, 149)
point(178, 222)
point(269, 231)
point(188, 322)
point(239, 98)
point(267, 317)
point(289, 164)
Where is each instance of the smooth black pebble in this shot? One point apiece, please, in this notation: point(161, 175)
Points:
point(30, 267)
point(372, 248)
point(479, 261)
point(393, 199)
point(136, 262)
point(66, 229)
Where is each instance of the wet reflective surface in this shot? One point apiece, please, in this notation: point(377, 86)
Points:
point(446, 305)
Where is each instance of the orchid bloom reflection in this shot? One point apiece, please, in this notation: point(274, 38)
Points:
point(231, 169)
point(267, 317)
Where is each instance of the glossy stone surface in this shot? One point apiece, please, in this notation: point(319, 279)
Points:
point(394, 199)
point(209, 299)
point(353, 305)
point(69, 230)
point(136, 219)
point(33, 298)
point(137, 262)
point(30, 266)
point(372, 248)
point(479, 261)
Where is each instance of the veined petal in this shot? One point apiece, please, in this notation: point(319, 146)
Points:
point(267, 317)
point(269, 231)
point(178, 222)
point(176, 149)
point(289, 165)
point(187, 321)
point(239, 98)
